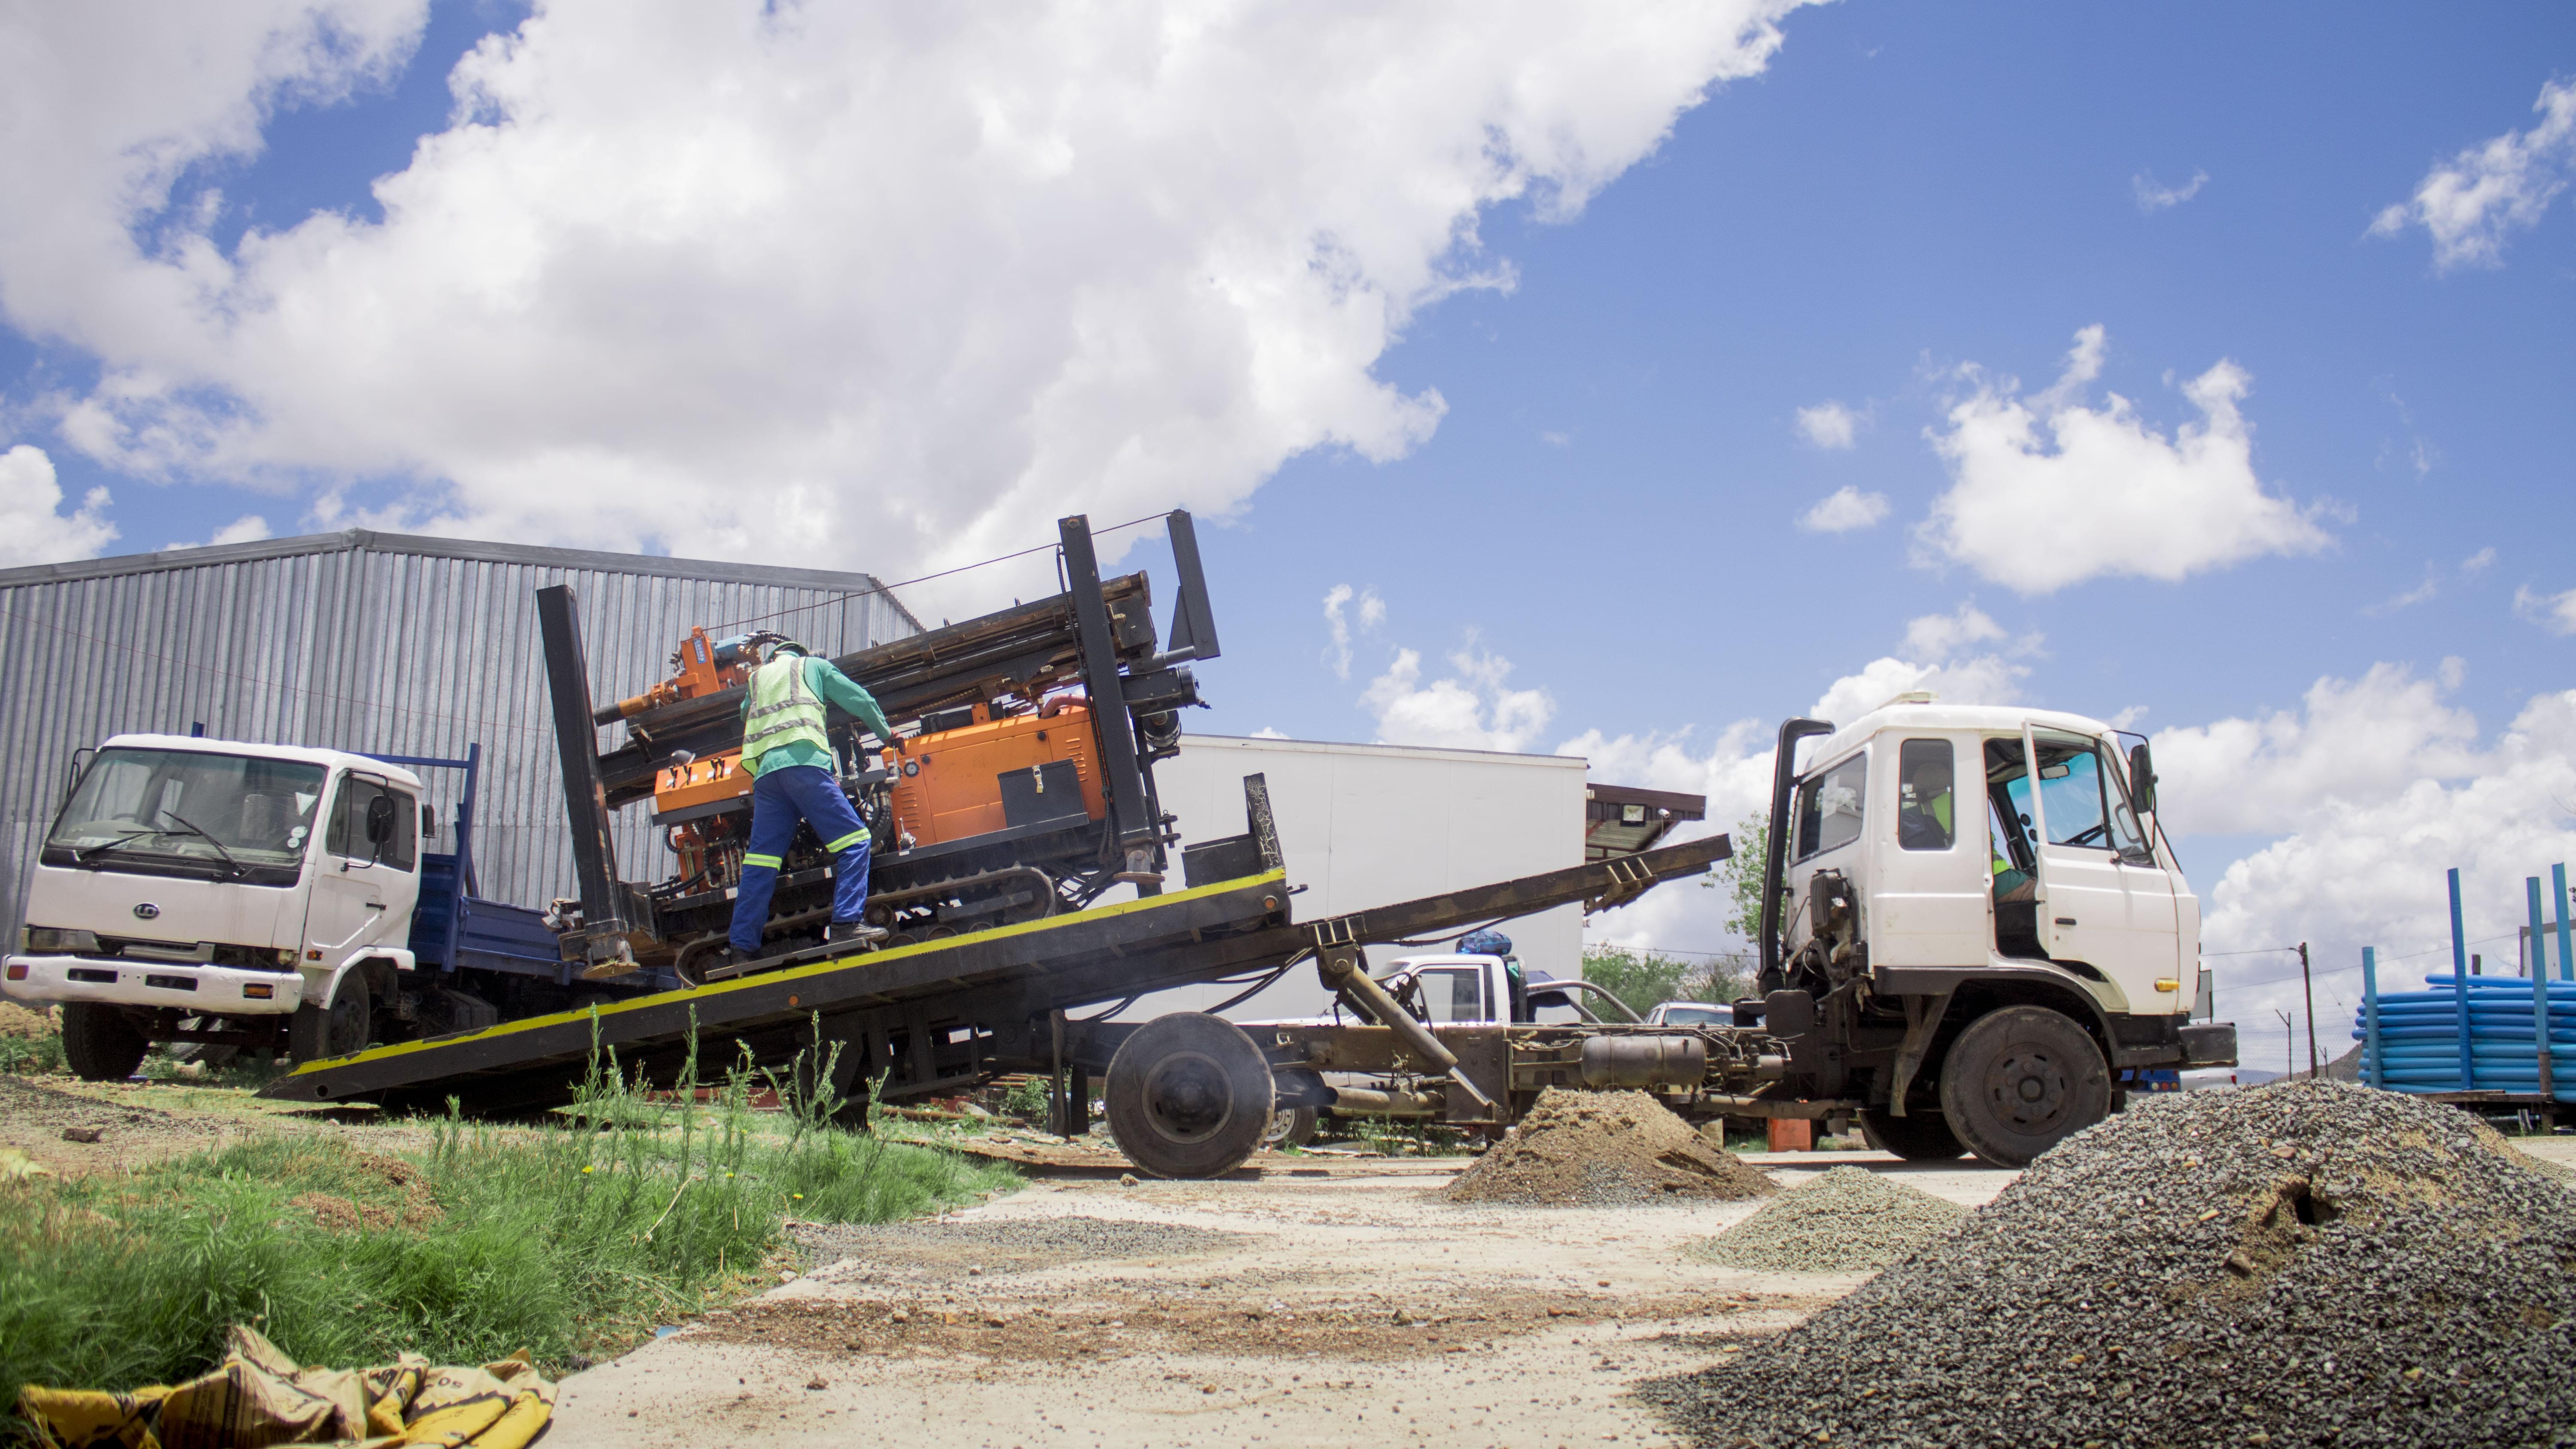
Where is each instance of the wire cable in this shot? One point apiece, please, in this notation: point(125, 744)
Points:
point(888, 589)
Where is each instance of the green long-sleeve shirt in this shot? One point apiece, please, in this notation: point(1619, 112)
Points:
point(830, 685)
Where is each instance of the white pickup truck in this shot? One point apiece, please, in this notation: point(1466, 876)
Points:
point(197, 890)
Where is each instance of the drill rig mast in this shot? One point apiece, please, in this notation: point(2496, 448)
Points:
point(1025, 786)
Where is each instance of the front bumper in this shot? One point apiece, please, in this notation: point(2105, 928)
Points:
point(189, 986)
point(2209, 1044)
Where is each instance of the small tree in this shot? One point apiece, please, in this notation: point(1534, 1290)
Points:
point(1740, 875)
point(1640, 978)
point(1646, 979)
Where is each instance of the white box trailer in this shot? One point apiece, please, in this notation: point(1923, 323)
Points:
point(1363, 826)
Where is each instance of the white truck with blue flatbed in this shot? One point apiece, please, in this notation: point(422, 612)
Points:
point(235, 896)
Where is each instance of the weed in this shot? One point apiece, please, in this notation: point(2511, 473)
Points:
point(565, 1240)
point(34, 1056)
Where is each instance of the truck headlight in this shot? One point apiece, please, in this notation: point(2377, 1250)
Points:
point(53, 940)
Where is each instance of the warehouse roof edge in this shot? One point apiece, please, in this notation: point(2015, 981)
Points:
point(431, 546)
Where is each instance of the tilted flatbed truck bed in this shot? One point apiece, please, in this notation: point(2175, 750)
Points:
point(948, 1013)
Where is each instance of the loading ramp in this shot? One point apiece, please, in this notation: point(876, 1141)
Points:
point(943, 1014)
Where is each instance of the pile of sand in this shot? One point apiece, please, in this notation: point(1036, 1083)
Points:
point(2304, 1263)
point(1584, 1149)
point(1851, 1220)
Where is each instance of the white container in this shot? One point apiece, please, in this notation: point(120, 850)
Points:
point(1371, 825)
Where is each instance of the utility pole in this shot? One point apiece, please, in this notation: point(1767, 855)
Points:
point(2308, 989)
point(2289, 1044)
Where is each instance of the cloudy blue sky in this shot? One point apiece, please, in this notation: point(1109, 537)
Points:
point(1607, 379)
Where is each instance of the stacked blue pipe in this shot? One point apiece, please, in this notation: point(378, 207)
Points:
point(2421, 1036)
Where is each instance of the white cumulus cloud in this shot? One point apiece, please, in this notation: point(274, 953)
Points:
point(33, 528)
point(249, 528)
point(2470, 203)
point(2048, 490)
point(1829, 425)
point(2361, 742)
point(1473, 707)
point(1843, 510)
point(1338, 622)
point(854, 285)
point(2363, 865)
point(2153, 196)
point(2554, 612)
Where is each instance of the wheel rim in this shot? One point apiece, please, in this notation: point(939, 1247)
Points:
point(348, 1023)
point(1188, 1097)
point(1282, 1122)
point(2030, 1088)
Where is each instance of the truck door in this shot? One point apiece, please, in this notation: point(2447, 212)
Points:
point(361, 889)
point(2096, 905)
point(1930, 879)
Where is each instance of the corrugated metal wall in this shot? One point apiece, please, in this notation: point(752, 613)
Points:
point(378, 643)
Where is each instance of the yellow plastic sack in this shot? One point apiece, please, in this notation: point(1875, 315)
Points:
point(259, 1398)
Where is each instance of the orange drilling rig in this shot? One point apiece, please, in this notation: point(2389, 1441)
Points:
point(1011, 793)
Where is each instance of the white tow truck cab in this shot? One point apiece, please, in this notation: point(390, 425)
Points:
point(1976, 928)
point(244, 895)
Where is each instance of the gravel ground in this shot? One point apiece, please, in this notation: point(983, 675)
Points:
point(1849, 1220)
point(26, 1104)
point(1592, 1149)
point(946, 1250)
point(2303, 1263)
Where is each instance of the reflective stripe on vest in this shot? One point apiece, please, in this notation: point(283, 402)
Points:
point(783, 711)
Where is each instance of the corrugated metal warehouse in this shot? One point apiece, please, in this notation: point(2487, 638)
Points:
point(374, 642)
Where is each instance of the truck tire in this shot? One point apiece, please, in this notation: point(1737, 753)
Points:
point(337, 1030)
point(1918, 1136)
point(1290, 1127)
point(1189, 1095)
point(99, 1044)
point(2020, 1080)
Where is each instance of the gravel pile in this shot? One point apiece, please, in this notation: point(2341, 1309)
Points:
point(1851, 1220)
point(2307, 1263)
point(1587, 1149)
point(948, 1250)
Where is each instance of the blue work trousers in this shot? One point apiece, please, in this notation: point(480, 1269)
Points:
point(781, 798)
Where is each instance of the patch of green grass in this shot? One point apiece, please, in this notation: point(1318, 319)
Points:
point(565, 1240)
point(35, 1056)
point(1404, 1137)
point(248, 1071)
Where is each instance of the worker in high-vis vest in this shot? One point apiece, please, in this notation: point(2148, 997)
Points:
point(790, 760)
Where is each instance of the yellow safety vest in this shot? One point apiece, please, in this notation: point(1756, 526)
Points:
point(782, 711)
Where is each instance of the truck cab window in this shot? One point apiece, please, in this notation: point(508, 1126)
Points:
point(347, 835)
point(1452, 993)
point(2127, 836)
point(1829, 807)
point(2070, 786)
point(1926, 802)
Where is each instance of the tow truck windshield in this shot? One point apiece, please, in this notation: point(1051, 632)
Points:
point(189, 812)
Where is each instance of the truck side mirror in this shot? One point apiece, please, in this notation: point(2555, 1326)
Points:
point(2142, 778)
point(428, 821)
point(380, 819)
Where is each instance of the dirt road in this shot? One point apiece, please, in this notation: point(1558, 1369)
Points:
point(1348, 1309)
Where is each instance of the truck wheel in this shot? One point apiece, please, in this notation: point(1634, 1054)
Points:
point(337, 1030)
point(1189, 1095)
point(1290, 1127)
point(99, 1043)
point(2020, 1080)
point(1918, 1136)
